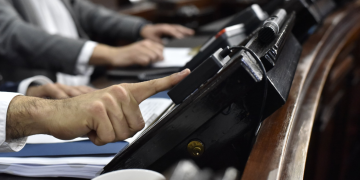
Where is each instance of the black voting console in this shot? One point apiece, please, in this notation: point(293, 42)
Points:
point(233, 32)
point(216, 124)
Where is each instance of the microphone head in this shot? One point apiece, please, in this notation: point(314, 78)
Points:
point(267, 33)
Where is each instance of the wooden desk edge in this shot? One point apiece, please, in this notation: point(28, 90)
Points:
point(269, 152)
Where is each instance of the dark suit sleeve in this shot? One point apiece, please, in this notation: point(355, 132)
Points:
point(102, 22)
point(26, 45)
point(9, 87)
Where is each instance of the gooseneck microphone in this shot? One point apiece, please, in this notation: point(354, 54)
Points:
point(271, 26)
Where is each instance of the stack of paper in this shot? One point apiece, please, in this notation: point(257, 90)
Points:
point(174, 57)
point(78, 167)
point(46, 156)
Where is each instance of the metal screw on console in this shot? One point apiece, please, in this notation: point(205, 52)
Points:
point(195, 148)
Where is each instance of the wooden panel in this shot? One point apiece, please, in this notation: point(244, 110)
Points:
point(298, 142)
point(281, 146)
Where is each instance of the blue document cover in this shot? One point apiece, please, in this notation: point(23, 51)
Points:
point(162, 94)
point(79, 148)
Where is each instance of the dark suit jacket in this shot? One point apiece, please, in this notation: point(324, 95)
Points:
point(23, 44)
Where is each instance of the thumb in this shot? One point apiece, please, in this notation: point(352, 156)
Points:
point(143, 90)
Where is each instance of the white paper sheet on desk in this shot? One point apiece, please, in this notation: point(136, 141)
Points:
point(47, 139)
point(78, 167)
point(150, 109)
point(66, 170)
point(174, 57)
point(56, 160)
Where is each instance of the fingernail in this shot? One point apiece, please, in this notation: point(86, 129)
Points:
point(183, 72)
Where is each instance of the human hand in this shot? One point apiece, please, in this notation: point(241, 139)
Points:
point(105, 116)
point(154, 32)
point(57, 91)
point(141, 53)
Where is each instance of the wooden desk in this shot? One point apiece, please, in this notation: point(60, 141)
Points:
point(282, 145)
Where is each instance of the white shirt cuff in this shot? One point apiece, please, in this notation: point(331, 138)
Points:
point(24, 85)
point(13, 145)
point(82, 65)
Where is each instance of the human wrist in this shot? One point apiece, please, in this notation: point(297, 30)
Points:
point(26, 116)
point(143, 29)
point(102, 55)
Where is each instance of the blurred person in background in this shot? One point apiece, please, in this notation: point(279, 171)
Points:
point(41, 86)
point(55, 36)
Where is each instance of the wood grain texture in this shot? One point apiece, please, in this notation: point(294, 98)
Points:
point(281, 147)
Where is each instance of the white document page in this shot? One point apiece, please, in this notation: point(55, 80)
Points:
point(78, 167)
point(151, 109)
point(174, 57)
point(56, 160)
point(47, 139)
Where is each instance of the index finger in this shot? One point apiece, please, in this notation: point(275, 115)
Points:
point(185, 30)
point(172, 31)
point(143, 90)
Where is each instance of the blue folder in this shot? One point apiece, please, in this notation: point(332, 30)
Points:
point(162, 94)
point(79, 148)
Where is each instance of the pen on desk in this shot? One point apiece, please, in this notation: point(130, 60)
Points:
point(271, 26)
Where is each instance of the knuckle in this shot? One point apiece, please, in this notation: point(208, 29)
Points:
point(116, 89)
point(147, 43)
point(144, 61)
point(73, 92)
point(107, 98)
point(97, 107)
point(52, 86)
point(98, 143)
point(168, 28)
point(121, 93)
point(55, 84)
point(124, 135)
point(110, 137)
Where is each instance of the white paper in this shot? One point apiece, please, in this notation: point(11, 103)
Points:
point(67, 170)
point(150, 109)
point(47, 139)
point(56, 160)
point(78, 167)
point(174, 57)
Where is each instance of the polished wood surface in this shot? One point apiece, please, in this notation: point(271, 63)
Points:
point(281, 147)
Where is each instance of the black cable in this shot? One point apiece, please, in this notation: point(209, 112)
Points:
point(263, 72)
